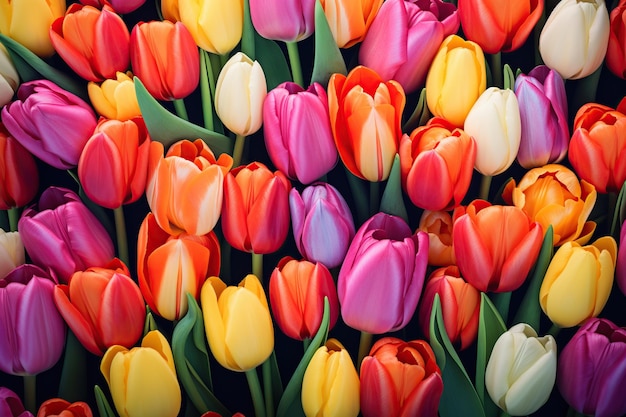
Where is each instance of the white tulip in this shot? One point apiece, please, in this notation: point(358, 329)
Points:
point(12, 252)
point(9, 78)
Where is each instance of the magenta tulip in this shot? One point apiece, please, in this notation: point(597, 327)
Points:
point(11, 404)
point(120, 6)
point(445, 12)
point(288, 21)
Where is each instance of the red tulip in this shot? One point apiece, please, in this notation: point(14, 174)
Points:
point(57, 407)
point(19, 178)
point(120, 6)
point(616, 51)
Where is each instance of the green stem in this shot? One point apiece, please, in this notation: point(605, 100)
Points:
point(485, 185)
point(256, 392)
point(30, 393)
point(181, 110)
point(14, 217)
point(120, 231)
point(612, 207)
point(374, 197)
point(294, 60)
point(496, 69)
point(365, 344)
point(207, 86)
point(240, 141)
point(257, 265)
point(267, 388)
point(306, 343)
point(554, 330)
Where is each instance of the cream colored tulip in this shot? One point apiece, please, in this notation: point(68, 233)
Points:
point(12, 252)
point(9, 78)
point(115, 99)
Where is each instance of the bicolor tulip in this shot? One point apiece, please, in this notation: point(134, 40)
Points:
point(322, 223)
point(165, 58)
point(28, 22)
point(103, 306)
point(495, 246)
point(50, 122)
point(9, 78)
point(437, 163)
point(94, 43)
point(575, 37)
point(61, 233)
point(597, 149)
point(33, 330)
point(578, 281)
point(591, 369)
point(438, 225)
point(11, 404)
point(55, 407)
point(499, 26)
point(297, 131)
point(255, 212)
point(494, 122)
point(616, 49)
point(120, 6)
point(291, 21)
point(365, 116)
point(19, 176)
point(297, 290)
point(169, 267)
point(236, 318)
point(142, 380)
point(349, 21)
point(185, 187)
point(460, 305)
point(239, 95)
point(384, 246)
point(115, 98)
point(553, 195)
point(456, 78)
point(521, 370)
point(543, 113)
point(620, 267)
point(330, 386)
point(12, 252)
point(400, 379)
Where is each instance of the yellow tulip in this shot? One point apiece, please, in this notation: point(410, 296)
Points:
point(115, 99)
point(237, 323)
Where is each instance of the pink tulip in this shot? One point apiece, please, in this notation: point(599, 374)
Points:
point(120, 6)
point(445, 12)
point(11, 405)
point(288, 21)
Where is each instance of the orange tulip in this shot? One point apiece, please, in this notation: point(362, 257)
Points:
point(349, 20)
point(438, 225)
point(365, 114)
point(58, 407)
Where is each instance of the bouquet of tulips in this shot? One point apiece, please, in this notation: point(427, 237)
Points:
point(366, 208)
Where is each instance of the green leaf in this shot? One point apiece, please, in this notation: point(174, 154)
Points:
point(392, 201)
point(74, 372)
point(104, 408)
point(509, 77)
point(271, 379)
point(149, 324)
point(248, 33)
point(328, 59)
point(420, 115)
point(618, 212)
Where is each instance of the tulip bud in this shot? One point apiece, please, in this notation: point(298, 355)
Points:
point(120, 6)
point(115, 98)
point(438, 225)
point(19, 177)
point(616, 50)
point(11, 404)
point(12, 252)
point(348, 20)
point(54, 407)
point(290, 21)
point(9, 78)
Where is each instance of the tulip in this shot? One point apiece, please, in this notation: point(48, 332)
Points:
point(521, 370)
point(460, 304)
point(291, 21)
point(552, 195)
point(297, 290)
point(575, 37)
point(115, 98)
point(12, 252)
point(51, 123)
point(169, 267)
point(616, 49)
point(185, 187)
point(9, 78)
point(255, 213)
point(330, 386)
point(165, 58)
point(438, 225)
point(297, 131)
point(437, 163)
point(445, 12)
point(236, 318)
point(120, 6)
point(103, 306)
point(400, 378)
point(384, 246)
point(54, 407)
point(142, 380)
point(350, 20)
point(495, 124)
point(578, 281)
point(597, 149)
point(19, 177)
point(322, 223)
point(620, 267)
point(239, 95)
point(456, 78)
point(93, 42)
point(365, 116)
point(543, 113)
point(28, 23)
point(11, 404)
point(495, 246)
point(591, 369)
point(33, 329)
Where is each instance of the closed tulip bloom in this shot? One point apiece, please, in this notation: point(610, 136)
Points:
point(350, 20)
point(54, 407)
point(103, 306)
point(93, 42)
point(19, 176)
point(436, 164)
point(236, 318)
point(384, 246)
point(33, 329)
point(143, 380)
point(60, 233)
point(11, 404)
point(51, 123)
point(9, 78)
point(290, 21)
point(165, 58)
point(616, 49)
point(455, 80)
point(495, 124)
point(169, 267)
point(521, 370)
point(255, 212)
point(185, 187)
point(365, 115)
point(115, 98)
point(575, 37)
point(120, 6)
point(297, 131)
point(330, 386)
point(445, 12)
point(495, 246)
point(12, 252)
point(322, 223)
point(400, 379)
point(438, 225)
point(239, 95)
point(578, 281)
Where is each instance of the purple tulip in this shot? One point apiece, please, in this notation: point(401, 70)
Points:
point(592, 369)
point(384, 270)
point(543, 111)
point(33, 331)
point(51, 123)
point(322, 224)
point(11, 405)
point(620, 268)
point(288, 21)
point(61, 234)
